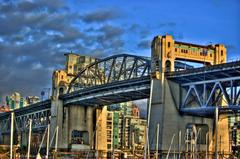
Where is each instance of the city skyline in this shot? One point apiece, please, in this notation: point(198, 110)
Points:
point(35, 35)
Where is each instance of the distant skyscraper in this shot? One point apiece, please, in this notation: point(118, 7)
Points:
point(15, 100)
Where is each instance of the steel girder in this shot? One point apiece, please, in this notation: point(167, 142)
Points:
point(201, 97)
point(121, 67)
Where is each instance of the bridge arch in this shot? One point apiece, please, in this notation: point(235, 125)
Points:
point(111, 69)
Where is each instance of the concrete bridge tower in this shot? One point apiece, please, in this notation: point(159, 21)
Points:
point(75, 122)
point(167, 97)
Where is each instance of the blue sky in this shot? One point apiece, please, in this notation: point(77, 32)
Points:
point(203, 21)
point(34, 35)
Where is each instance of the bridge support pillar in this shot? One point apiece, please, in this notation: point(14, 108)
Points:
point(165, 102)
point(164, 110)
point(75, 124)
point(57, 119)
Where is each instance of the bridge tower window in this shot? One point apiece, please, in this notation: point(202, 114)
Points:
point(168, 66)
point(169, 44)
point(61, 91)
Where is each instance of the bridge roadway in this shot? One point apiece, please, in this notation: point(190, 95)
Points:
point(139, 88)
point(110, 93)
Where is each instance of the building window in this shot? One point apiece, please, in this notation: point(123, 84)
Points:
point(168, 66)
point(221, 52)
point(175, 49)
point(109, 146)
point(75, 69)
point(169, 44)
point(61, 91)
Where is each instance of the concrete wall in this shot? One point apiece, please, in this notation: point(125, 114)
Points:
point(69, 118)
point(164, 111)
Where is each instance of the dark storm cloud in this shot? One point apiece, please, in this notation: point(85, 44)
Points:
point(100, 16)
point(29, 47)
point(34, 35)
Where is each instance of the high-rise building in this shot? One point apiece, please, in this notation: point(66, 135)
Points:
point(73, 65)
point(119, 128)
point(15, 101)
point(31, 100)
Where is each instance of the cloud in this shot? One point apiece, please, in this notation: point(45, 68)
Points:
point(144, 44)
point(34, 35)
point(29, 6)
point(101, 15)
point(134, 27)
point(110, 31)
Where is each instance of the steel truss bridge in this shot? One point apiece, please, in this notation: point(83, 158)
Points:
point(123, 77)
point(209, 87)
point(40, 113)
point(111, 80)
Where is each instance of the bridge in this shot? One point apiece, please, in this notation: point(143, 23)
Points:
point(40, 113)
point(206, 86)
point(222, 79)
point(115, 79)
point(177, 98)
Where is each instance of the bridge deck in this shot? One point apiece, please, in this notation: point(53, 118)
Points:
point(226, 70)
point(115, 92)
point(29, 109)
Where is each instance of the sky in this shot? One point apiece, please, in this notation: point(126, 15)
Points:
point(34, 35)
